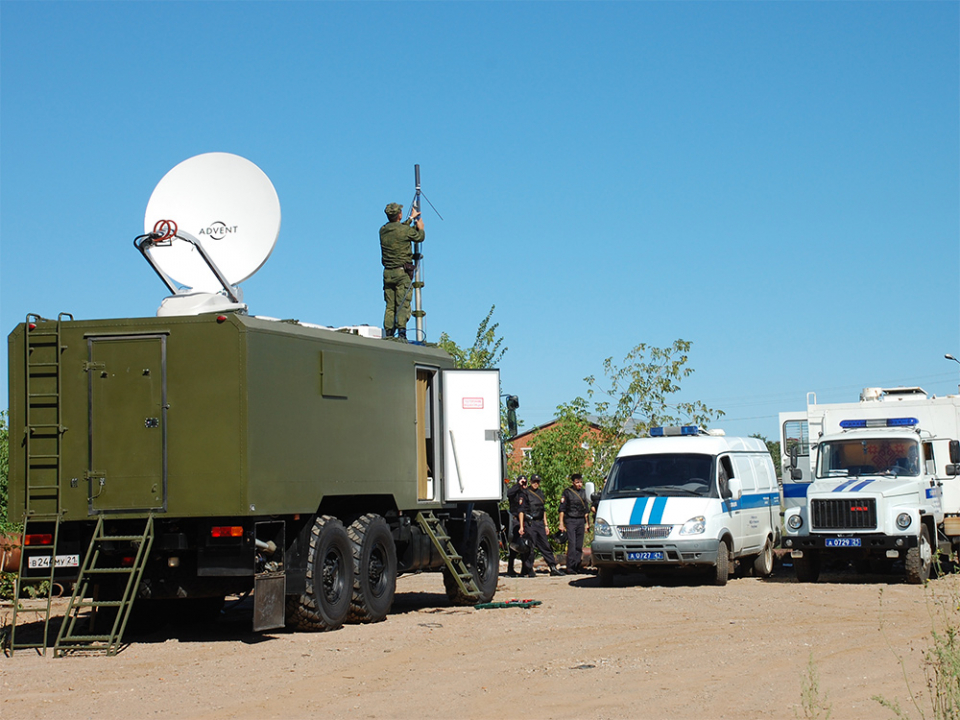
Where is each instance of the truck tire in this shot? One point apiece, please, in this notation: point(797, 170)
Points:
point(326, 600)
point(374, 568)
point(763, 563)
point(721, 571)
point(919, 559)
point(808, 566)
point(482, 556)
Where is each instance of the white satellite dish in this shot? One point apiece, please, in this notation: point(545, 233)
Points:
point(226, 203)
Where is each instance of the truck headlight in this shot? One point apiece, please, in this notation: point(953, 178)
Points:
point(694, 526)
point(601, 528)
point(795, 522)
point(904, 520)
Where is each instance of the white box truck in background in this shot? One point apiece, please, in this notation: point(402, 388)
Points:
point(878, 480)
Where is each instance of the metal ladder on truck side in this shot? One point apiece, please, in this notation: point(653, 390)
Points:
point(70, 639)
point(42, 442)
point(453, 560)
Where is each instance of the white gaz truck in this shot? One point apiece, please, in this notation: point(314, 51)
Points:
point(873, 481)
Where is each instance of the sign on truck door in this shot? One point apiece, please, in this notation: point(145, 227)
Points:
point(127, 393)
point(471, 435)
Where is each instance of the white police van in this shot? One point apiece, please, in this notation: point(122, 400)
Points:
point(686, 497)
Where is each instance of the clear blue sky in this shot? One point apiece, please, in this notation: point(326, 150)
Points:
point(778, 183)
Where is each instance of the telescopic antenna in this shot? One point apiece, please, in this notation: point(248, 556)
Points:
point(418, 312)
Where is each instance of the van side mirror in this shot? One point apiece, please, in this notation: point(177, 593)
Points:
point(589, 489)
point(796, 474)
point(595, 498)
point(794, 452)
point(955, 451)
point(512, 404)
point(734, 489)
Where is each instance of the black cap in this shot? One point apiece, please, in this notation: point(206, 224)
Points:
point(535, 479)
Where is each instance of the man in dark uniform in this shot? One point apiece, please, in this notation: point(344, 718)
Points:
point(514, 493)
point(396, 255)
point(533, 525)
point(574, 521)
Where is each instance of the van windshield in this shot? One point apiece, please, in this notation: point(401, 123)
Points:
point(868, 456)
point(667, 475)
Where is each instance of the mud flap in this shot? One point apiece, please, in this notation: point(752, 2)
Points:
point(269, 597)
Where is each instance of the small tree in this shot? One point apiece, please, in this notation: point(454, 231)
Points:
point(486, 350)
point(5, 524)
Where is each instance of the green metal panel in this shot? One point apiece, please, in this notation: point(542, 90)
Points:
point(262, 417)
point(127, 423)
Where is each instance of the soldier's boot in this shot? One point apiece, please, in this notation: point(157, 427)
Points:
point(555, 571)
point(402, 333)
point(389, 332)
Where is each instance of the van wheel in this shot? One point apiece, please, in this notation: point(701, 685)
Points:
point(763, 563)
point(605, 576)
point(721, 571)
point(375, 569)
point(326, 599)
point(808, 566)
point(919, 559)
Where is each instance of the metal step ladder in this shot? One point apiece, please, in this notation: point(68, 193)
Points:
point(455, 563)
point(86, 592)
point(42, 439)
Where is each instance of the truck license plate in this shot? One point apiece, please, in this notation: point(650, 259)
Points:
point(646, 555)
point(43, 561)
point(842, 542)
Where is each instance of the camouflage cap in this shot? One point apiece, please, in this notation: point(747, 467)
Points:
point(393, 209)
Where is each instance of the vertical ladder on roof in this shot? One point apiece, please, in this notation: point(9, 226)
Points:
point(42, 441)
point(453, 560)
point(85, 592)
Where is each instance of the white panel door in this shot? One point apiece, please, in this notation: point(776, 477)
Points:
point(471, 435)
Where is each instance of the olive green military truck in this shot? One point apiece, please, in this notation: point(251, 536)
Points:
point(168, 462)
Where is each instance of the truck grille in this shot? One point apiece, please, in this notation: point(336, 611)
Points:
point(644, 532)
point(844, 514)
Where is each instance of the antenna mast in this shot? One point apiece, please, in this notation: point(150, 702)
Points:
point(418, 312)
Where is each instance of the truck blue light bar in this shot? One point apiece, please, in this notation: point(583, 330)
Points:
point(673, 430)
point(879, 422)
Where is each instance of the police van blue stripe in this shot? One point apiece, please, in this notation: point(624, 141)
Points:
point(656, 514)
point(636, 516)
point(862, 485)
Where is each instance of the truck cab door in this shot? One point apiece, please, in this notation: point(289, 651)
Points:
point(795, 435)
point(472, 452)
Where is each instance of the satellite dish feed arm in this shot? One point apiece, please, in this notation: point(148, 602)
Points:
point(144, 243)
point(149, 241)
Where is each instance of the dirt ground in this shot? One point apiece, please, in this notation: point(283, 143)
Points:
point(636, 650)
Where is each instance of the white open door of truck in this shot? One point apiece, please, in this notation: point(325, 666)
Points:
point(471, 435)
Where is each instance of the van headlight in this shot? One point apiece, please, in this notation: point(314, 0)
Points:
point(795, 522)
point(904, 520)
point(694, 526)
point(601, 528)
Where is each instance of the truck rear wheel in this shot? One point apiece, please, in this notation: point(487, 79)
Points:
point(808, 566)
point(919, 559)
point(482, 556)
point(375, 568)
point(326, 600)
point(721, 571)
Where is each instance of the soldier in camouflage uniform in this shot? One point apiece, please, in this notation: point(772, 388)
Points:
point(396, 255)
